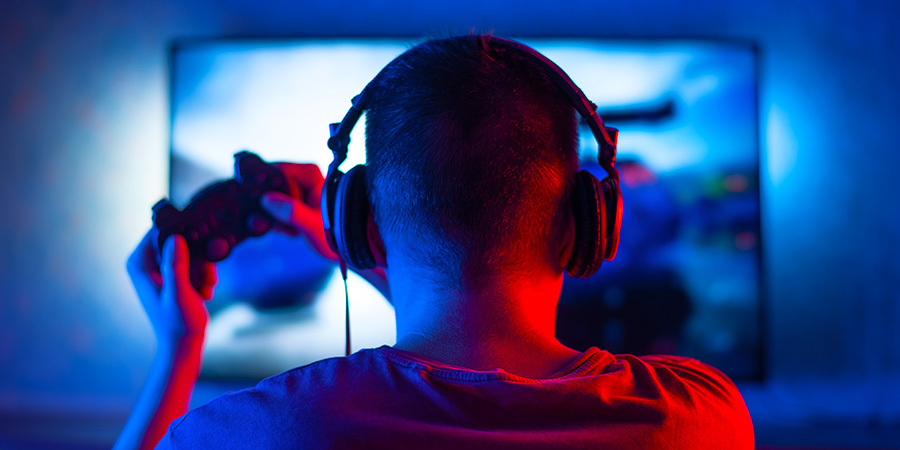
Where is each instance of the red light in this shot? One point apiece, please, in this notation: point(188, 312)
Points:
point(735, 183)
point(745, 240)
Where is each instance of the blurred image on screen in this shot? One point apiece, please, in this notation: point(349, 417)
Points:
point(686, 278)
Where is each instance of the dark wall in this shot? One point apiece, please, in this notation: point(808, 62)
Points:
point(84, 132)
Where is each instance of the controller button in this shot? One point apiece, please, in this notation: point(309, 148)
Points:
point(257, 224)
point(224, 216)
point(217, 249)
point(191, 235)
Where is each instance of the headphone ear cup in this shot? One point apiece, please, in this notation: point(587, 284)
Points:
point(612, 197)
point(351, 214)
point(589, 211)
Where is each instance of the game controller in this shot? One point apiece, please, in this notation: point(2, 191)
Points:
point(225, 213)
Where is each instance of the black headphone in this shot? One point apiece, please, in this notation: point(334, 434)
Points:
point(597, 205)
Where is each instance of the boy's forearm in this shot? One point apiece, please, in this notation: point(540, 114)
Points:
point(165, 395)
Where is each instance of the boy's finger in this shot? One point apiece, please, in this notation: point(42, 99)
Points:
point(175, 262)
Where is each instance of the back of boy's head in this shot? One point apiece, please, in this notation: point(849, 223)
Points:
point(471, 150)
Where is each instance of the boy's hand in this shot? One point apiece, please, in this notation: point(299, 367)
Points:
point(300, 216)
point(175, 308)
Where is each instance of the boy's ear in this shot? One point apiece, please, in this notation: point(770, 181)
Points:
point(376, 245)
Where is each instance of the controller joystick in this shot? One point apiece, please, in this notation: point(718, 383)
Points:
point(225, 213)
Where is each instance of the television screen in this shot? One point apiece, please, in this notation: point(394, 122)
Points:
point(686, 279)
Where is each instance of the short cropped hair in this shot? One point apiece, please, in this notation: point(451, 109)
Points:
point(471, 150)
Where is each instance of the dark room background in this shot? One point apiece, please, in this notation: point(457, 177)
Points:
point(84, 143)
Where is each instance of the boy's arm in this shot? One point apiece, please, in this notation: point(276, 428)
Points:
point(178, 315)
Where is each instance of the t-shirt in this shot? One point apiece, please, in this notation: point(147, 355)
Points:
point(388, 398)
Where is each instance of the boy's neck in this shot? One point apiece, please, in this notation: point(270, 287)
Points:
point(506, 324)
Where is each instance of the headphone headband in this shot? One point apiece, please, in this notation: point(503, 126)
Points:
point(606, 137)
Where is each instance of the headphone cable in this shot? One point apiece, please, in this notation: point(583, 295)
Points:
point(346, 309)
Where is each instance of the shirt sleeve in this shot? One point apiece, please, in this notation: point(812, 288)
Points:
point(166, 441)
point(709, 393)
